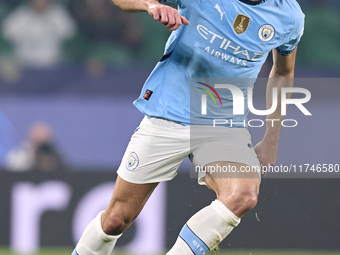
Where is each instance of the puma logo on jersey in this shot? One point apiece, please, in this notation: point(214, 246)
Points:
point(219, 10)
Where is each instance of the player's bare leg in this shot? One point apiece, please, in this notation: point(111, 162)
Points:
point(236, 194)
point(101, 234)
point(127, 201)
point(237, 191)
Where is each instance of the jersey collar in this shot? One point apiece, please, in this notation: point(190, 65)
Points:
point(252, 2)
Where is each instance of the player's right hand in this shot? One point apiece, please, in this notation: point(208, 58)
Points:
point(167, 15)
point(266, 151)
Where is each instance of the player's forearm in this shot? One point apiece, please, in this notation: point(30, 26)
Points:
point(276, 80)
point(135, 5)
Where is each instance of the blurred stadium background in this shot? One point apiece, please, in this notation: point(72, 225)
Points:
point(69, 72)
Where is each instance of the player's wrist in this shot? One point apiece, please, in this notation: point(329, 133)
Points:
point(150, 6)
point(272, 137)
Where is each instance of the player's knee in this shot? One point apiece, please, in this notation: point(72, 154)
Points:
point(115, 224)
point(241, 201)
point(249, 201)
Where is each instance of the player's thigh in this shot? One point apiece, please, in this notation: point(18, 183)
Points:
point(237, 186)
point(221, 144)
point(128, 200)
point(231, 178)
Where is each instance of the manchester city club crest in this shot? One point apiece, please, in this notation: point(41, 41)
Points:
point(132, 161)
point(266, 33)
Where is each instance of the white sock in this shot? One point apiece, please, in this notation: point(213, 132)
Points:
point(205, 230)
point(94, 240)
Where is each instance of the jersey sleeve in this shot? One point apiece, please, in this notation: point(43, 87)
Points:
point(294, 35)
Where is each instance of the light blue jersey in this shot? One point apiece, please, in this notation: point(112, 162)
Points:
point(225, 39)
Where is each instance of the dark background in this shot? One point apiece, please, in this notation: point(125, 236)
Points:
point(291, 214)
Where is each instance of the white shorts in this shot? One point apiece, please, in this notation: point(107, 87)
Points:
point(159, 146)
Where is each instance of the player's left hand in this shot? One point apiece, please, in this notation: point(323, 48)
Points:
point(267, 153)
point(167, 15)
